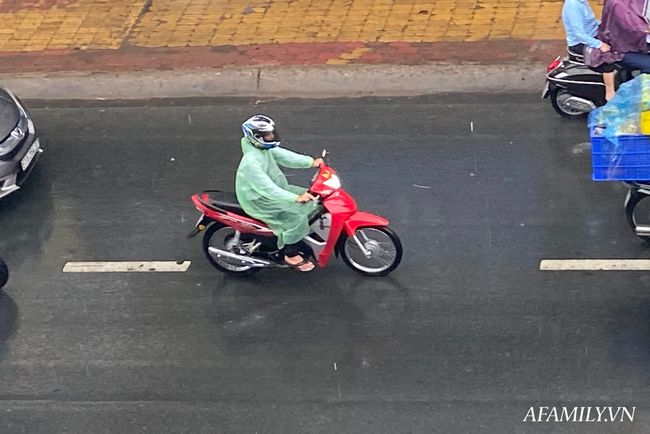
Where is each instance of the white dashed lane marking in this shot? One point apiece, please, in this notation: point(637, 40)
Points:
point(595, 265)
point(127, 267)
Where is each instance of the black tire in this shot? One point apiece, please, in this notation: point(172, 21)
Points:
point(4, 274)
point(633, 212)
point(559, 93)
point(207, 239)
point(344, 252)
point(629, 208)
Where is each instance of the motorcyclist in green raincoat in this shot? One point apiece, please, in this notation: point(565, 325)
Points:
point(264, 193)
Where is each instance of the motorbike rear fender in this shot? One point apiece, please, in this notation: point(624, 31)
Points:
point(580, 81)
point(575, 72)
point(201, 225)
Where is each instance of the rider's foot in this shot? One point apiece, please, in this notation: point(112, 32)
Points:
point(299, 263)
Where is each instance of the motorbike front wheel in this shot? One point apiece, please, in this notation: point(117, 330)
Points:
point(558, 97)
point(381, 252)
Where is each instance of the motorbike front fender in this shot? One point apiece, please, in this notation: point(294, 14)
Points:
point(362, 219)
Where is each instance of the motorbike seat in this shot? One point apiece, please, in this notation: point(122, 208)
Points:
point(227, 201)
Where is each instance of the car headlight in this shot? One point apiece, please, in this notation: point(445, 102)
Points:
point(17, 135)
point(334, 182)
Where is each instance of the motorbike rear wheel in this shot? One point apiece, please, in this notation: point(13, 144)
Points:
point(558, 95)
point(382, 244)
point(220, 237)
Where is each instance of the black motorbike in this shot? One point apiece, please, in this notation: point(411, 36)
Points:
point(575, 89)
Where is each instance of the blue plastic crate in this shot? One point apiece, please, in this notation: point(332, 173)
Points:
point(626, 160)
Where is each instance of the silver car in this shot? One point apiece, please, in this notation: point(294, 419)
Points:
point(19, 146)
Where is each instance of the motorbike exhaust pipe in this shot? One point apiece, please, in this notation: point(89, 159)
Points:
point(237, 260)
point(577, 103)
point(643, 230)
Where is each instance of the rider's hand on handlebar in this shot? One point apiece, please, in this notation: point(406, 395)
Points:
point(605, 47)
point(305, 197)
point(317, 162)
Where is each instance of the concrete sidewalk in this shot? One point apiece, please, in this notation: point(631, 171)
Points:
point(279, 38)
point(279, 82)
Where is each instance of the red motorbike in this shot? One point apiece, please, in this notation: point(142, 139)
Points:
point(238, 244)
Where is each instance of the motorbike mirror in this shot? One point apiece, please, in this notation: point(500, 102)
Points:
point(324, 153)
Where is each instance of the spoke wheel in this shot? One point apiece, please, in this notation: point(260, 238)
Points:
point(383, 251)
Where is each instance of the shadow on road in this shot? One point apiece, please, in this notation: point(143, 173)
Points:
point(8, 322)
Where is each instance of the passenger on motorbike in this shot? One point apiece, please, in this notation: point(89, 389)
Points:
point(581, 27)
point(625, 29)
point(264, 193)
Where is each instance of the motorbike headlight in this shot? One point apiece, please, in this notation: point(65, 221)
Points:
point(334, 182)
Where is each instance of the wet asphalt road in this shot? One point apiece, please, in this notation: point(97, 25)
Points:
point(464, 337)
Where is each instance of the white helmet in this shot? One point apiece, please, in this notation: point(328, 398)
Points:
point(256, 128)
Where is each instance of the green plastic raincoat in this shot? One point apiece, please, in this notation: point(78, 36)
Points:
point(264, 193)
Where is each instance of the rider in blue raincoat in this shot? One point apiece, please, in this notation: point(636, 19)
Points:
point(264, 193)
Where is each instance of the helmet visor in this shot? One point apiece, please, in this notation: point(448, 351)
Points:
point(269, 137)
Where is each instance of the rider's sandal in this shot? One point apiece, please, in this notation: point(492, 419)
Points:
point(300, 264)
